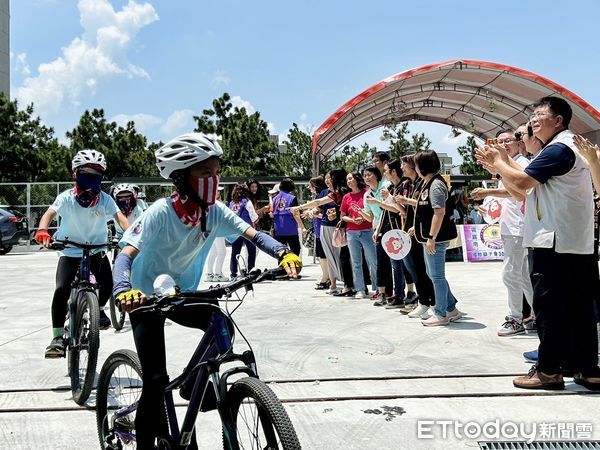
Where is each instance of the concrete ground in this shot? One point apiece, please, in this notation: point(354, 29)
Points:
point(351, 376)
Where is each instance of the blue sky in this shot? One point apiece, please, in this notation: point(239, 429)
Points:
point(159, 62)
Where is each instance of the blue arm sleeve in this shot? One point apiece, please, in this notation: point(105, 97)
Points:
point(267, 244)
point(122, 274)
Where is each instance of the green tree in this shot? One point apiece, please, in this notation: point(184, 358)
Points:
point(351, 158)
point(248, 150)
point(399, 144)
point(469, 165)
point(28, 149)
point(297, 160)
point(126, 150)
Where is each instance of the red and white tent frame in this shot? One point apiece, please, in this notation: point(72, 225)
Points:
point(475, 96)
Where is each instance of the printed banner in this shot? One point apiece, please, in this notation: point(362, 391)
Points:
point(481, 243)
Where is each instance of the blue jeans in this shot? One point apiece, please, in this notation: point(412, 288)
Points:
point(357, 241)
point(399, 279)
point(436, 269)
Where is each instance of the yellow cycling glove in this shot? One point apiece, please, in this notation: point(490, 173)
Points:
point(128, 297)
point(288, 259)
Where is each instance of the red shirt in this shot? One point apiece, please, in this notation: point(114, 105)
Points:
point(349, 200)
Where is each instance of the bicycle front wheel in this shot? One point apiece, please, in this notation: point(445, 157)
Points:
point(117, 316)
point(119, 388)
point(259, 419)
point(83, 356)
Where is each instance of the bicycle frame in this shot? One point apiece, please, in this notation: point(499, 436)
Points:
point(84, 281)
point(215, 348)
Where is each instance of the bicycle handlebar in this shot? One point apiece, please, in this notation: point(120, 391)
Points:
point(213, 293)
point(61, 244)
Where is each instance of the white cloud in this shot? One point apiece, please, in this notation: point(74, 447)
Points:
point(178, 121)
point(143, 122)
point(239, 102)
point(220, 78)
point(99, 54)
point(19, 64)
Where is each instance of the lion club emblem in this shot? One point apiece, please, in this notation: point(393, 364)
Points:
point(493, 210)
point(396, 244)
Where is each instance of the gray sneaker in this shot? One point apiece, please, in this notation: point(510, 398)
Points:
point(56, 349)
point(511, 327)
point(396, 302)
point(381, 302)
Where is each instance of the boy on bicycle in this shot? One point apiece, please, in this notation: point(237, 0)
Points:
point(83, 211)
point(174, 237)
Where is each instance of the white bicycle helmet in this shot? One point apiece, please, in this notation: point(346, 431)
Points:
point(185, 151)
point(85, 157)
point(123, 187)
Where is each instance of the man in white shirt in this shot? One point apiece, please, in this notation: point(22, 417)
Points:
point(515, 272)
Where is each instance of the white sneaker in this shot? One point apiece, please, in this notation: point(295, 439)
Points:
point(361, 295)
point(419, 312)
point(220, 277)
point(454, 315)
point(435, 321)
point(210, 277)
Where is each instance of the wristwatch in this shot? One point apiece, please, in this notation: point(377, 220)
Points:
point(431, 236)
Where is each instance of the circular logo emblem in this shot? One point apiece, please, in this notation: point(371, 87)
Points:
point(493, 210)
point(396, 244)
point(490, 236)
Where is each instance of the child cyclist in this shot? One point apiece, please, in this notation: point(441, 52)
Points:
point(174, 237)
point(83, 211)
point(127, 200)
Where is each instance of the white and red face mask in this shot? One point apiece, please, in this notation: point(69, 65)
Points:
point(206, 188)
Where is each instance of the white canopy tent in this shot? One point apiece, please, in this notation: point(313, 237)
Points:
point(475, 96)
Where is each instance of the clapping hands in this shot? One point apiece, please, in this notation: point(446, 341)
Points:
point(489, 156)
point(590, 152)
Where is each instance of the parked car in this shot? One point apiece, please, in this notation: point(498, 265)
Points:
point(14, 227)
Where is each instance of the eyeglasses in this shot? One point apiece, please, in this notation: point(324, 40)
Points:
point(505, 141)
point(537, 116)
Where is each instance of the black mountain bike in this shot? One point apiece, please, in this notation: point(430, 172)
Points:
point(117, 315)
point(81, 333)
point(252, 417)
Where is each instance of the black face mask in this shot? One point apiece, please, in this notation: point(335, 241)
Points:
point(87, 188)
point(126, 204)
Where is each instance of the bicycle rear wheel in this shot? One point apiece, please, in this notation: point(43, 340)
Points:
point(117, 316)
point(259, 419)
point(119, 388)
point(83, 356)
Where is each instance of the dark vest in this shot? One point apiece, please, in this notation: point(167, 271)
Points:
point(390, 220)
point(424, 216)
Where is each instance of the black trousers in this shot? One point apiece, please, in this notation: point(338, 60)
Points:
point(65, 274)
point(423, 283)
point(384, 270)
point(149, 336)
point(293, 242)
point(236, 249)
point(346, 266)
point(565, 311)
